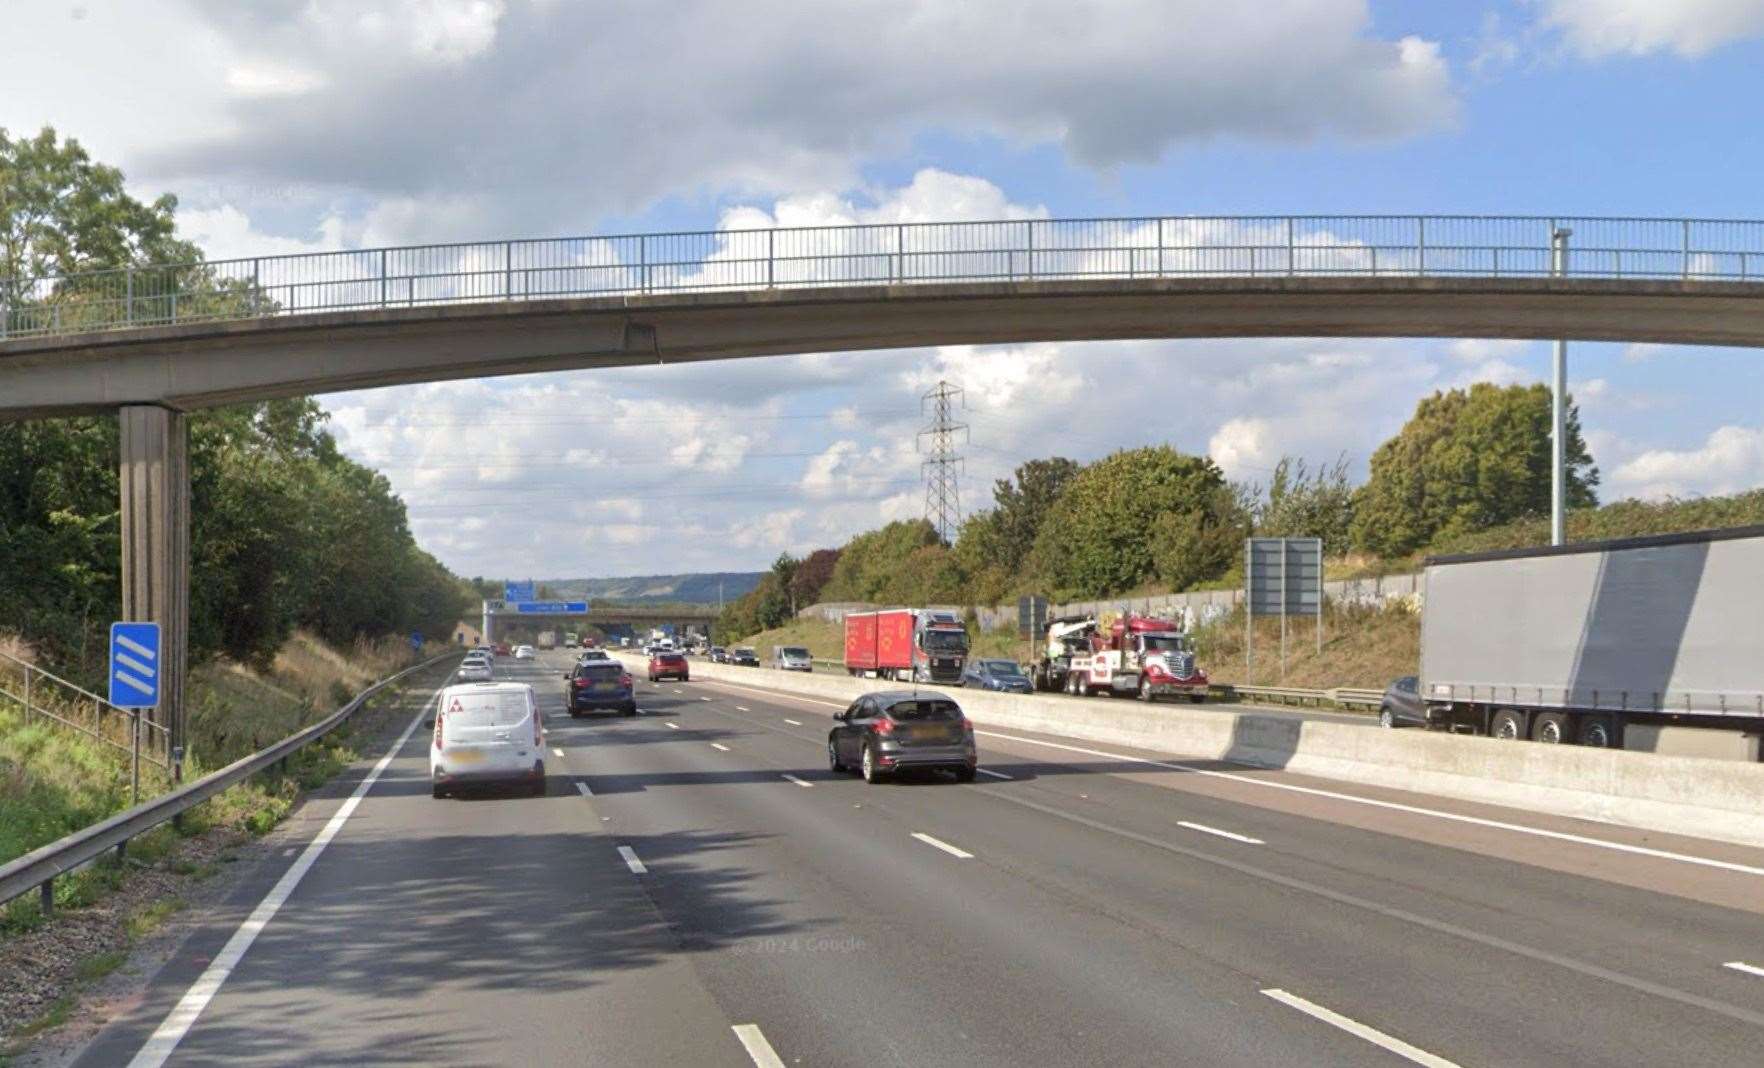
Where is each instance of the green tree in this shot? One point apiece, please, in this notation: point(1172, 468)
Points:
point(1465, 461)
point(872, 565)
point(1301, 503)
point(1107, 530)
point(1023, 502)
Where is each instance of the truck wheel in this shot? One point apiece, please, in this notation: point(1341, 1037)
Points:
point(1145, 691)
point(1550, 728)
point(1597, 731)
point(1508, 725)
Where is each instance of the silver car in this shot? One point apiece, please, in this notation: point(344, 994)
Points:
point(474, 669)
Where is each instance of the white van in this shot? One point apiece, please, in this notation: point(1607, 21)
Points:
point(486, 732)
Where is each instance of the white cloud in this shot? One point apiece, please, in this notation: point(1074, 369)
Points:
point(224, 233)
point(1688, 28)
point(540, 117)
point(1730, 460)
point(1243, 447)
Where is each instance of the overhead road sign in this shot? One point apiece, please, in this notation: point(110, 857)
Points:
point(547, 608)
point(134, 665)
point(519, 591)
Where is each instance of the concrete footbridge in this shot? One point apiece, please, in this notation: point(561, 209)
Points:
point(154, 342)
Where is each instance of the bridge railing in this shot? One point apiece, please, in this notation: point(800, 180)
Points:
point(883, 254)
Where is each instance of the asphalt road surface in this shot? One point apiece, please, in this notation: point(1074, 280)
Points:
point(697, 888)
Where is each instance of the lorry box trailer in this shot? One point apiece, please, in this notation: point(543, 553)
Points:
point(1654, 643)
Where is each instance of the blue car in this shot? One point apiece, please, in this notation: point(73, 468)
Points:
point(599, 684)
point(1001, 675)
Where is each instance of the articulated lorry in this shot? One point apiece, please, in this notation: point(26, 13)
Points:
point(911, 645)
point(1650, 643)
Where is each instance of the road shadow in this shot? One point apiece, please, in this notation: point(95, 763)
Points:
point(382, 953)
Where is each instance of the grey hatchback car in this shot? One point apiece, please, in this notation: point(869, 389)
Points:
point(1402, 705)
point(884, 733)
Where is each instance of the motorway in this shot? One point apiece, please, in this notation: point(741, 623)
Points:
point(697, 888)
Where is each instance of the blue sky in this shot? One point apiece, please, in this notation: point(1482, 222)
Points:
point(328, 124)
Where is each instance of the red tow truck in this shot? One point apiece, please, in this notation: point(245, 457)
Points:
point(1150, 658)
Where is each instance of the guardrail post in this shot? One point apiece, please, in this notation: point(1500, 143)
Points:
point(177, 772)
point(46, 897)
point(135, 758)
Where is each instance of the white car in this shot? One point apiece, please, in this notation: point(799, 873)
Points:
point(474, 669)
point(524, 652)
point(486, 732)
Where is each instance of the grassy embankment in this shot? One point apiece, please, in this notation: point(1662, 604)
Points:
point(54, 781)
point(1361, 648)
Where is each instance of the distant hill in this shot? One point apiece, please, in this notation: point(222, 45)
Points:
point(689, 589)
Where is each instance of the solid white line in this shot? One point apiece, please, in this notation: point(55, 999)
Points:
point(1560, 836)
point(557, 753)
point(177, 1023)
point(1360, 1030)
point(793, 722)
point(994, 774)
point(1204, 829)
point(1742, 966)
point(582, 788)
point(945, 846)
point(673, 726)
point(764, 1056)
point(797, 781)
point(719, 745)
point(631, 860)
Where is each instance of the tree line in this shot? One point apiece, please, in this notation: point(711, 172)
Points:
point(1467, 461)
point(285, 531)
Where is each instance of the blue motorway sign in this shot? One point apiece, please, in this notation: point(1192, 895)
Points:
point(134, 665)
point(518, 591)
point(551, 608)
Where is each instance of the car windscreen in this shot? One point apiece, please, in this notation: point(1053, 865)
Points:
point(501, 709)
point(946, 641)
point(795, 652)
point(1003, 667)
point(925, 710)
point(1169, 643)
point(600, 671)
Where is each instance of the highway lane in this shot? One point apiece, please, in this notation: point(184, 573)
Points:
point(1083, 909)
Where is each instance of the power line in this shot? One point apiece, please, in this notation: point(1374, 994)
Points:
point(942, 469)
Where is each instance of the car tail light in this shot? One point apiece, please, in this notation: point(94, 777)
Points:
point(581, 684)
point(884, 725)
point(438, 718)
point(967, 725)
point(625, 679)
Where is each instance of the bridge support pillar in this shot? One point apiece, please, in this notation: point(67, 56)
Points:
point(154, 477)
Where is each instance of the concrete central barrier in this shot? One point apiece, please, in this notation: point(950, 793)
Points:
point(1704, 798)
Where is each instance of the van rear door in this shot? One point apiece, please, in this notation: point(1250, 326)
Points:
point(489, 730)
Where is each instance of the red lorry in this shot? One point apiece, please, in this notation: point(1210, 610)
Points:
point(907, 644)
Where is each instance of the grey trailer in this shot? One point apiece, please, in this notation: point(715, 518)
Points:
point(1644, 643)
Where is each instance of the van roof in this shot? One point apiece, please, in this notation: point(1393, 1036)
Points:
point(485, 687)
